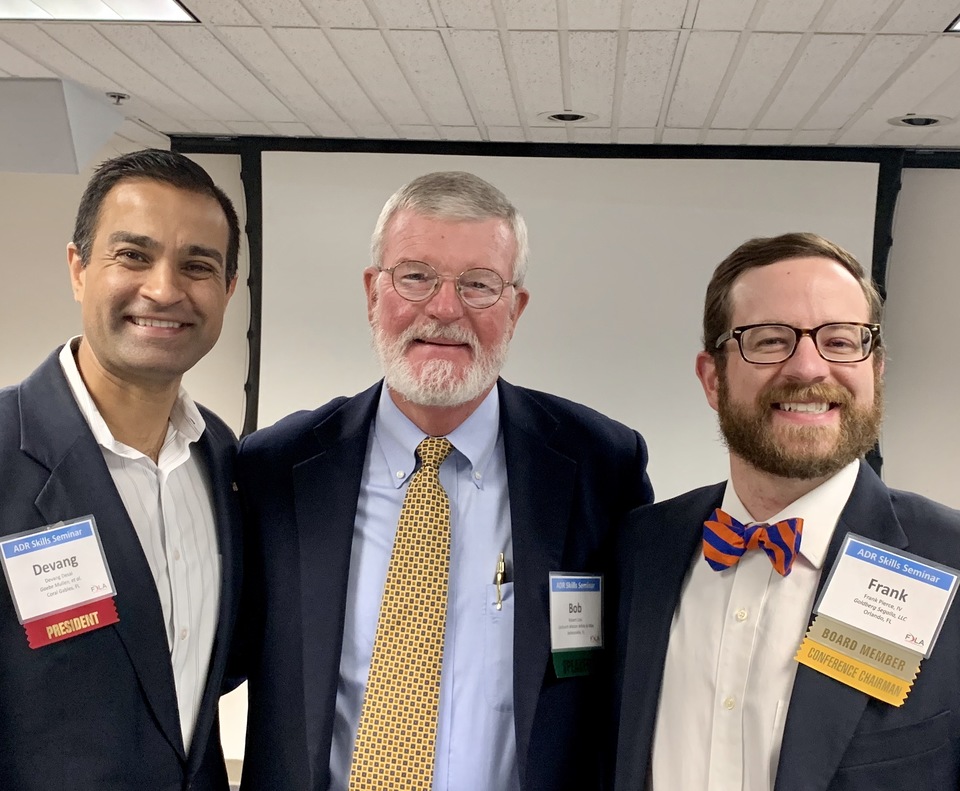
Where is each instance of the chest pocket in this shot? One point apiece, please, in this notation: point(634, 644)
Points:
point(498, 647)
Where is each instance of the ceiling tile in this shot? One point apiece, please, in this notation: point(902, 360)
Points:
point(417, 132)
point(207, 127)
point(281, 13)
point(705, 62)
point(212, 59)
point(537, 60)
point(662, 15)
point(530, 14)
point(292, 129)
point(341, 13)
point(377, 132)
point(930, 16)
point(769, 137)
point(853, 16)
point(649, 58)
point(593, 61)
point(151, 52)
point(480, 56)
point(813, 137)
point(268, 60)
point(823, 58)
point(680, 137)
point(251, 128)
point(16, 64)
point(593, 14)
point(548, 134)
point(637, 136)
point(586, 134)
point(882, 57)
point(425, 58)
point(143, 137)
point(368, 58)
point(788, 15)
point(763, 61)
point(460, 133)
point(723, 14)
point(48, 52)
point(724, 137)
point(406, 14)
point(467, 14)
point(220, 12)
point(904, 136)
point(312, 53)
point(506, 134)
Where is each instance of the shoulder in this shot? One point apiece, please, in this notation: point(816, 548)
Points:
point(926, 521)
point(698, 503)
point(219, 432)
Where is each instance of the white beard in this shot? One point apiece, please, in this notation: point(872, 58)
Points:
point(438, 382)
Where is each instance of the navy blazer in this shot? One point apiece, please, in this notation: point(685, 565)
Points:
point(572, 475)
point(835, 738)
point(98, 712)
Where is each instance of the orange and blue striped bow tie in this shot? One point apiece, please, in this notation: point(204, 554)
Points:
point(725, 540)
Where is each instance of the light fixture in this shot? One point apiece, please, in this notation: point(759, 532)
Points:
point(97, 10)
point(914, 120)
point(567, 117)
point(953, 27)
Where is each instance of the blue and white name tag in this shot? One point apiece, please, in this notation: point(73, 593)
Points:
point(576, 621)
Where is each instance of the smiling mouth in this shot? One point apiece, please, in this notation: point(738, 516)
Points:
point(817, 408)
point(161, 323)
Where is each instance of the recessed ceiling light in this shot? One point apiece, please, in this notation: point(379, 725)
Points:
point(97, 10)
point(912, 119)
point(567, 117)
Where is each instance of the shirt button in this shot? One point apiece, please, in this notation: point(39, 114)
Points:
point(400, 473)
point(741, 615)
point(184, 633)
point(477, 475)
point(176, 554)
point(729, 702)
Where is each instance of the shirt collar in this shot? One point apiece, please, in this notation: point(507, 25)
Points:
point(185, 418)
point(820, 510)
point(474, 439)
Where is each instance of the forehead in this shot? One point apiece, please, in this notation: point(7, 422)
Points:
point(440, 241)
point(804, 292)
point(147, 203)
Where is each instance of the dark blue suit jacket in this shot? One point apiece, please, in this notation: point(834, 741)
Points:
point(98, 712)
point(836, 738)
point(572, 475)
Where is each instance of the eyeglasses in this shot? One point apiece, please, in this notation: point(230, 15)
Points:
point(416, 281)
point(768, 344)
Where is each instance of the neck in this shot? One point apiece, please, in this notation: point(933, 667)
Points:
point(764, 494)
point(436, 421)
point(137, 414)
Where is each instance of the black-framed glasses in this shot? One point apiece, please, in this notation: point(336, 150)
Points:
point(837, 342)
point(416, 281)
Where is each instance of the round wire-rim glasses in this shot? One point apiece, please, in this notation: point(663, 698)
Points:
point(478, 287)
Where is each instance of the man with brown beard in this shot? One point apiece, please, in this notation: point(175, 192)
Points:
point(792, 363)
point(533, 484)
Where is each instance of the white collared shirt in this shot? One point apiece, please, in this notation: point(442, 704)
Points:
point(171, 508)
point(730, 660)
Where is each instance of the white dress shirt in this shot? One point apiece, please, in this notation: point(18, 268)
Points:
point(170, 506)
point(730, 660)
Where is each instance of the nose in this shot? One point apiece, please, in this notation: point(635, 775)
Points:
point(162, 283)
point(445, 305)
point(806, 364)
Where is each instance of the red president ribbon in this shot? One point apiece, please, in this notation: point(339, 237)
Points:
point(69, 623)
point(725, 540)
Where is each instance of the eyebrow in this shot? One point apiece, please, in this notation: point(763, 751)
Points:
point(149, 243)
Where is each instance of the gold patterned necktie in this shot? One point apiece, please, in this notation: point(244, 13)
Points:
point(398, 723)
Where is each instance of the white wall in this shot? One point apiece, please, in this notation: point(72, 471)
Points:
point(921, 436)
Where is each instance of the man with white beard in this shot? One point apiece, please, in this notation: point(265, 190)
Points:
point(468, 687)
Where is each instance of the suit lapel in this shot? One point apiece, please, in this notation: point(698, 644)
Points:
point(55, 433)
point(824, 713)
point(325, 525)
point(663, 546)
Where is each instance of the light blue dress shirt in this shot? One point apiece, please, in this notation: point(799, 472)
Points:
point(476, 741)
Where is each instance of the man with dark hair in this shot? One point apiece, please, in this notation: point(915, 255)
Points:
point(722, 686)
point(401, 613)
point(118, 516)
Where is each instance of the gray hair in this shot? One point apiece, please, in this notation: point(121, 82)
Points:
point(454, 195)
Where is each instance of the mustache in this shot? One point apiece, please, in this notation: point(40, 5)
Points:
point(430, 329)
point(832, 394)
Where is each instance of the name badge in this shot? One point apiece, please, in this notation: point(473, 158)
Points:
point(879, 615)
point(576, 622)
point(59, 581)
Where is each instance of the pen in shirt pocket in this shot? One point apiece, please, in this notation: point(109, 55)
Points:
point(499, 578)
